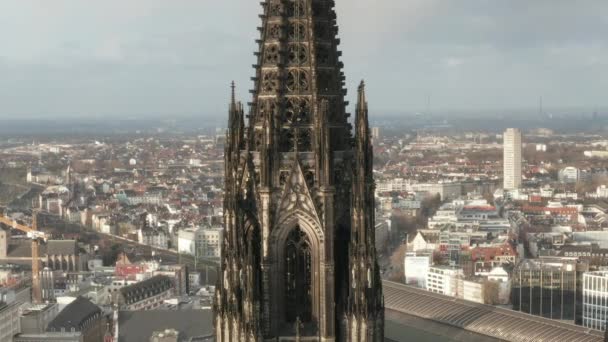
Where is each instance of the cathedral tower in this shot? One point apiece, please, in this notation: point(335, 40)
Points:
point(298, 256)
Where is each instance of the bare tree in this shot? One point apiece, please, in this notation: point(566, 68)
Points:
point(491, 292)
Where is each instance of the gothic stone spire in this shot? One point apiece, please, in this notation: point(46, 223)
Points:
point(298, 209)
point(365, 314)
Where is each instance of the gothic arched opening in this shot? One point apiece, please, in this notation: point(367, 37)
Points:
point(254, 259)
point(298, 277)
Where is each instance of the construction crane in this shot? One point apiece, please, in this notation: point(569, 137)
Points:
point(36, 236)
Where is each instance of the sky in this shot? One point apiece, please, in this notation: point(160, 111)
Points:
point(135, 58)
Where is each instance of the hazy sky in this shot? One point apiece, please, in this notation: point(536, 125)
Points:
point(176, 57)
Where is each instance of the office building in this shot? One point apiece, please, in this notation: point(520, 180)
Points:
point(445, 280)
point(376, 133)
point(595, 300)
point(549, 287)
point(512, 158)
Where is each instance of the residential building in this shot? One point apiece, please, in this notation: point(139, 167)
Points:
point(589, 252)
point(151, 234)
point(130, 197)
point(145, 295)
point(486, 258)
point(210, 242)
point(452, 244)
point(155, 237)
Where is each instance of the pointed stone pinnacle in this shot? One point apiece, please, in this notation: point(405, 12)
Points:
point(362, 85)
point(233, 87)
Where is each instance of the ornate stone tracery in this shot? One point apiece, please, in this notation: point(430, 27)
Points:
point(296, 9)
point(298, 111)
point(297, 54)
point(275, 9)
point(298, 81)
point(274, 32)
point(297, 31)
point(272, 55)
point(270, 81)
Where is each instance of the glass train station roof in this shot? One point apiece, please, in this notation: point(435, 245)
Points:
point(487, 320)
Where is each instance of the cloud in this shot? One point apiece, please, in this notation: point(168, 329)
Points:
point(143, 56)
point(453, 62)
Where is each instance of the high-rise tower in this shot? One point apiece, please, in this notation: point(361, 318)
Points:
point(299, 253)
point(512, 159)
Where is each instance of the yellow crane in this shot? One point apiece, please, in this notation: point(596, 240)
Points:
point(36, 236)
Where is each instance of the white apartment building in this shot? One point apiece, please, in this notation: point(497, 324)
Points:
point(390, 185)
point(203, 242)
point(445, 280)
point(512, 158)
point(210, 242)
point(416, 268)
point(595, 299)
point(156, 237)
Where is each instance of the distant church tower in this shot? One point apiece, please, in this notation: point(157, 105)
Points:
point(299, 259)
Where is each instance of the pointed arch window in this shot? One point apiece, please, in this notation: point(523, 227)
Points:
point(298, 277)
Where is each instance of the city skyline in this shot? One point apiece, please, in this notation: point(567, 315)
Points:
point(156, 58)
point(349, 171)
